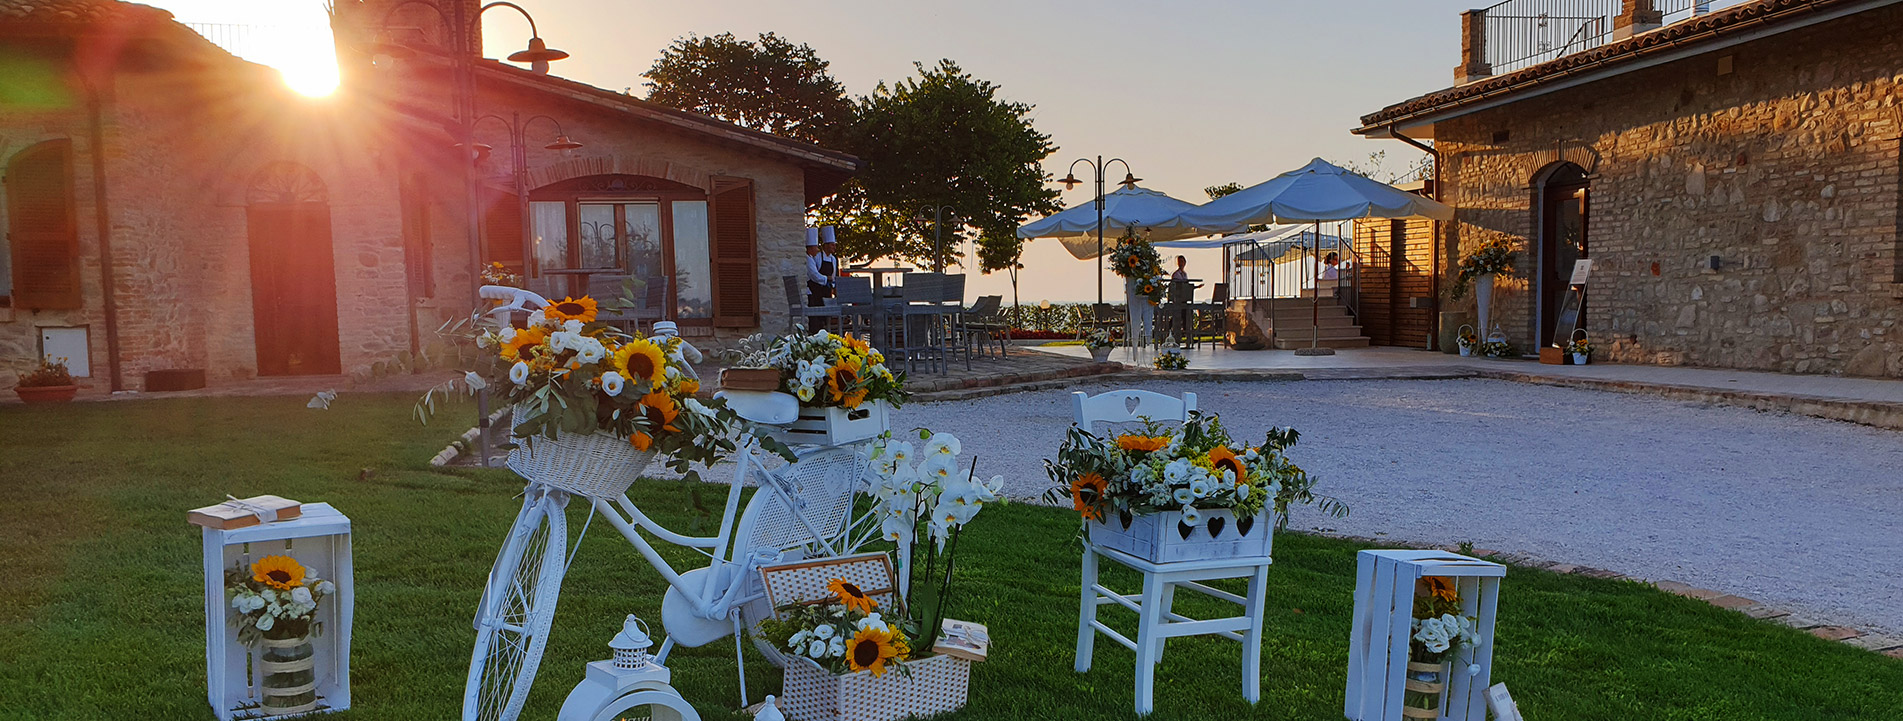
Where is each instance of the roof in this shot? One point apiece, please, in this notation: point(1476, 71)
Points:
point(70, 11)
point(826, 169)
point(1683, 35)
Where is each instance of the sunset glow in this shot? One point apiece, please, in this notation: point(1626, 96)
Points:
point(292, 36)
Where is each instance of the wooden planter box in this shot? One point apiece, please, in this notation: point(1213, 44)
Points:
point(938, 684)
point(834, 426)
point(1163, 538)
point(750, 379)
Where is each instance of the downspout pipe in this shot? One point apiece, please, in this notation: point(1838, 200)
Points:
point(1433, 279)
point(103, 217)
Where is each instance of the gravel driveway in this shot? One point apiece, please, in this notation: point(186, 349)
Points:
point(1793, 511)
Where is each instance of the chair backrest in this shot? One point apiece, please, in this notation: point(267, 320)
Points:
point(821, 486)
point(1219, 293)
point(605, 288)
point(985, 307)
point(951, 289)
point(1106, 311)
point(795, 292)
point(1181, 292)
point(854, 290)
point(1129, 406)
point(922, 288)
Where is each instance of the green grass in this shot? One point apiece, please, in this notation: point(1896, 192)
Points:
point(100, 612)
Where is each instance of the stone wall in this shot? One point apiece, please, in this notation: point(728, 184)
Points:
point(1778, 156)
point(21, 128)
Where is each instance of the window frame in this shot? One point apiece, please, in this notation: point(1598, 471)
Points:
point(572, 201)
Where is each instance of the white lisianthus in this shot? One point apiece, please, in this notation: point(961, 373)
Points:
point(1242, 491)
point(871, 621)
point(1473, 669)
point(591, 351)
point(818, 648)
point(612, 383)
point(803, 391)
point(265, 622)
point(1192, 517)
point(1177, 471)
point(507, 334)
point(1199, 488)
point(325, 588)
point(537, 318)
point(485, 340)
point(799, 639)
point(475, 382)
point(823, 632)
point(519, 373)
point(1183, 496)
point(572, 325)
point(302, 596)
point(837, 646)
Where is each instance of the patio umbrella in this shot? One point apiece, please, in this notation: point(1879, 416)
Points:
point(1134, 206)
point(1312, 193)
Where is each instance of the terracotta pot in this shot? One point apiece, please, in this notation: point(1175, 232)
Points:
point(46, 394)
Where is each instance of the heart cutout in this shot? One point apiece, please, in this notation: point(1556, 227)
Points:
point(1215, 526)
point(1184, 529)
point(1126, 518)
point(1244, 525)
point(1131, 404)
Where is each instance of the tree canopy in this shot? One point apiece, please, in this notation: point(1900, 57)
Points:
point(770, 85)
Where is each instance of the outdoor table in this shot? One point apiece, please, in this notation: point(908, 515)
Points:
point(878, 274)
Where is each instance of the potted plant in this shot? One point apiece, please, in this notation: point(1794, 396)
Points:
point(593, 404)
point(1170, 360)
point(1580, 348)
point(1439, 631)
point(1496, 349)
point(277, 600)
point(1182, 492)
point(1467, 341)
point(1478, 268)
point(49, 383)
point(845, 390)
point(1099, 343)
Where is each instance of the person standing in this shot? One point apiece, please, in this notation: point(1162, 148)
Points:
point(820, 271)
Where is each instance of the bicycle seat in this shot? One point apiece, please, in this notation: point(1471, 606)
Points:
point(768, 407)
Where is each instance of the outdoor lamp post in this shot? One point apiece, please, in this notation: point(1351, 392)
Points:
point(938, 237)
point(462, 62)
point(519, 174)
point(1070, 182)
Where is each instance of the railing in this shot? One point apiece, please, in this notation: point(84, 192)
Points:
point(1676, 10)
point(1523, 33)
point(245, 41)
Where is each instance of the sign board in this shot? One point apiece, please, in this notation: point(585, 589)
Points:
point(1568, 315)
point(1501, 703)
point(1581, 269)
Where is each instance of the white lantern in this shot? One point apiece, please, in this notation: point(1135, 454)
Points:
point(630, 681)
point(318, 538)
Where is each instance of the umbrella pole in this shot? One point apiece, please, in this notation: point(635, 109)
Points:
point(1315, 330)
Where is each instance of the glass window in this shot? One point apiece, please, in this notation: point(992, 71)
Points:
point(597, 228)
point(551, 233)
point(641, 223)
point(693, 266)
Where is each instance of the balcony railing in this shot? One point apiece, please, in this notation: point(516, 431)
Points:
point(1524, 33)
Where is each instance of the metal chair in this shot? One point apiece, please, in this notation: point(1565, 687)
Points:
point(983, 323)
point(799, 315)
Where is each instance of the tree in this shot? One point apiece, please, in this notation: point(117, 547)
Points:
point(771, 85)
point(943, 138)
point(1002, 251)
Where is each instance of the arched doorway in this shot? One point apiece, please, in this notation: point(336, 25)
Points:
point(1564, 212)
point(293, 276)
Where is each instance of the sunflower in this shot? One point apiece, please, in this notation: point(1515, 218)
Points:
point(687, 387)
point(280, 572)
point(1221, 458)
point(641, 359)
point(659, 410)
point(1136, 261)
point(582, 309)
point(1134, 442)
point(856, 346)
point(1086, 503)
point(870, 649)
point(513, 349)
point(1441, 588)
point(852, 596)
point(842, 381)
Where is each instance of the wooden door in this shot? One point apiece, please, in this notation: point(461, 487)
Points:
point(293, 289)
point(1564, 214)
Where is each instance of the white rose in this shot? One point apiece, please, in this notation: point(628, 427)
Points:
point(519, 373)
point(817, 649)
point(302, 595)
point(326, 588)
point(612, 383)
point(265, 622)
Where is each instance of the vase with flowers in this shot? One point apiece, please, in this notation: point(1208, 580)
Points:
point(277, 601)
point(1441, 633)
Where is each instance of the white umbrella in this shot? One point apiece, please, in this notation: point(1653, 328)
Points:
point(1312, 193)
point(1131, 206)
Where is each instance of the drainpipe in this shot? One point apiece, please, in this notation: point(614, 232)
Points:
point(1433, 279)
point(103, 218)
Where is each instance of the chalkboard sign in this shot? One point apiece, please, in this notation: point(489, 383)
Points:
point(1569, 315)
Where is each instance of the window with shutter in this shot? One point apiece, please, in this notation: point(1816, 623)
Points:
point(735, 258)
point(42, 229)
point(502, 229)
point(418, 256)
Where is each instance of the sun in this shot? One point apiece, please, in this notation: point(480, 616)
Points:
point(292, 36)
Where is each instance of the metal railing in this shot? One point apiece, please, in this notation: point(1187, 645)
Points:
point(1677, 10)
point(1523, 33)
point(245, 41)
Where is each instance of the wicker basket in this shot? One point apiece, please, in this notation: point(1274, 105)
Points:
point(938, 684)
point(596, 465)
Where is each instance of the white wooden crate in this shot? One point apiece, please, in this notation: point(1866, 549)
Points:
point(320, 539)
point(1160, 537)
point(833, 426)
point(1383, 619)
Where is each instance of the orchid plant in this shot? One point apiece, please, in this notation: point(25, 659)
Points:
point(926, 487)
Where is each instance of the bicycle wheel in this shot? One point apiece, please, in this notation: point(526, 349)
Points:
point(518, 604)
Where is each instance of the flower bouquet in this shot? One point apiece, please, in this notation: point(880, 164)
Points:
point(843, 653)
point(1467, 340)
point(496, 273)
point(844, 388)
point(1099, 343)
point(593, 404)
point(1496, 349)
point(1138, 263)
point(1439, 630)
point(277, 599)
point(48, 382)
point(1182, 492)
point(1170, 360)
point(1491, 258)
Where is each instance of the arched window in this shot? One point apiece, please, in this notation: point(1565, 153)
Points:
point(293, 276)
point(42, 230)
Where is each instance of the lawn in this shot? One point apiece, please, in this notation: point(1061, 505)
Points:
point(100, 612)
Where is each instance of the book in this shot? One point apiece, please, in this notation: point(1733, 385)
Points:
point(964, 639)
point(245, 512)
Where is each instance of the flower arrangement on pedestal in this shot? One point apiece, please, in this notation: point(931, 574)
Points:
point(1491, 258)
point(277, 600)
point(1440, 632)
point(1136, 261)
point(1192, 468)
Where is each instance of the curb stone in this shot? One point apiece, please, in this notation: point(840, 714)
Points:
point(454, 449)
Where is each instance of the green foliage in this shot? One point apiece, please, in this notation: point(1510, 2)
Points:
point(943, 138)
point(47, 373)
point(770, 85)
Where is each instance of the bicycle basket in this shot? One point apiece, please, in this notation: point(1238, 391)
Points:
point(596, 465)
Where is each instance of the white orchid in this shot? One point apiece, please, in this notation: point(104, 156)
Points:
point(942, 445)
point(901, 452)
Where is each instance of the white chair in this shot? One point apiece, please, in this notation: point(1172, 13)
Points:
point(1156, 622)
point(1129, 406)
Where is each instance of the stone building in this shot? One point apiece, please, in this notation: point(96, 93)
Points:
point(1731, 169)
point(171, 207)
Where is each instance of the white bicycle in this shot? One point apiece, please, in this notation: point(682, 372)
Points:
point(803, 509)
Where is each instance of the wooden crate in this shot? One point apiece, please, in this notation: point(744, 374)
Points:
point(1383, 619)
point(1163, 538)
point(319, 538)
point(832, 426)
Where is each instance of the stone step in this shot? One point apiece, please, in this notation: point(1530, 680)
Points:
point(1327, 321)
point(1286, 343)
point(1303, 332)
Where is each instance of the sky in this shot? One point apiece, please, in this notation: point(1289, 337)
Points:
point(1191, 93)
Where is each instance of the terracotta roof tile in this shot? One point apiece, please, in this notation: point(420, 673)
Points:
point(1686, 33)
point(70, 11)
